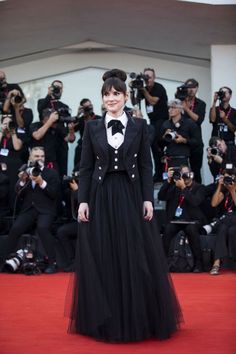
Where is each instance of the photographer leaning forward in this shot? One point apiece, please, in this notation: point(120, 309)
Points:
point(223, 116)
point(53, 101)
point(225, 198)
point(219, 154)
point(157, 110)
point(179, 135)
point(194, 109)
point(38, 189)
point(6, 92)
point(50, 134)
point(85, 113)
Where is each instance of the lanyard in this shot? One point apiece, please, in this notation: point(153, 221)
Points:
point(167, 159)
point(5, 143)
point(228, 204)
point(193, 104)
point(181, 200)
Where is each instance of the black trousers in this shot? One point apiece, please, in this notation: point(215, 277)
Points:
point(226, 238)
point(23, 223)
point(195, 160)
point(192, 233)
point(65, 234)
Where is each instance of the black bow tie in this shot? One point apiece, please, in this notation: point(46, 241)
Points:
point(116, 125)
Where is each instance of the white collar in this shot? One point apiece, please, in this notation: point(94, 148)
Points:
point(123, 119)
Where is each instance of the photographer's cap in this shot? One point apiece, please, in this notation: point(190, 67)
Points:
point(191, 83)
point(175, 103)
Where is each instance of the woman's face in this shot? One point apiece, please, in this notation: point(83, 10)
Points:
point(114, 102)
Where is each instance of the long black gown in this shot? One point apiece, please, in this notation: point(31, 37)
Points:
point(121, 290)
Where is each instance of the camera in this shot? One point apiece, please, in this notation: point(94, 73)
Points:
point(170, 136)
point(182, 92)
point(65, 115)
point(228, 180)
point(214, 151)
point(207, 229)
point(74, 177)
point(56, 91)
point(12, 125)
point(17, 99)
point(137, 80)
point(33, 169)
point(221, 94)
point(177, 175)
point(14, 263)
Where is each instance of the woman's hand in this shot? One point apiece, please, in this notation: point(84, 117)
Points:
point(83, 212)
point(147, 210)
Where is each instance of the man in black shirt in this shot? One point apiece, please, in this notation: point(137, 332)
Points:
point(183, 198)
point(195, 109)
point(85, 113)
point(52, 101)
point(157, 110)
point(223, 117)
point(179, 135)
point(7, 91)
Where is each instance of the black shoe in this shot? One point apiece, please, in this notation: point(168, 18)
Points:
point(51, 269)
point(198, 268)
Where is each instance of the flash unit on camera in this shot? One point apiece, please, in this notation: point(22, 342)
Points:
point(229, 166)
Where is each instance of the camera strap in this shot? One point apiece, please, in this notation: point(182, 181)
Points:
point(228, 203)
point(181, 200)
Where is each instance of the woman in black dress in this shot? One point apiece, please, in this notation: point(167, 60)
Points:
point(121, 291)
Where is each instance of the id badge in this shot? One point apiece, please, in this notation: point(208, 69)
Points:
point(20, 130)
point(4, 152)
point(165, 175)
point(225, 128)
point(149, 109)
point(178, 212)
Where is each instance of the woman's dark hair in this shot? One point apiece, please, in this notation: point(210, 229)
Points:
point(114, 78)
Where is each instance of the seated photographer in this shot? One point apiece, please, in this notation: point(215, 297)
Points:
point(225, 198)
point(223, 116)
point(37, 188)
point(49, 134)
point(183, 198)
point(5, 89)
point(10, 151)
point(84, 114)
point(52, 101)
point(179, 135)
point(68, 232)
point(219, 154)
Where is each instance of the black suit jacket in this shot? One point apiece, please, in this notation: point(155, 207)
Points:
point(43, 200)
point(193, 199)
point(95, 156)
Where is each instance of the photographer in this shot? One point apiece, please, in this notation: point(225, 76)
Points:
point(50, 135)
point(85, 114)
point(195, 109)
point(10, 151)
point(52, 101)
point(6, 92)
point(4, 196)
point(219, 154)
point(225, 198)
point(184, 197)
point(38, 188)
point(157, 110)
point(179, 135)
point(68, 232)
point(223, 116)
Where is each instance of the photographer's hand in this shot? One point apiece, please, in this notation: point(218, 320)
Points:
point(54, 116)
point(180, 139)
point(37, 179)
point(180, 183)
point(73, 185)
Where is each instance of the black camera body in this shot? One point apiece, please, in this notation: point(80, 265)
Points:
point(137, 80)
point(17, 99)
point(221, 94)
point(228, 180)
point(56, 91)
point(177, 175)
point(65, 115)
point(74, 177)
point(182, 92)
point(214, 150)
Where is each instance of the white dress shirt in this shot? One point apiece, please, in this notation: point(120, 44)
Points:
point(117, 139)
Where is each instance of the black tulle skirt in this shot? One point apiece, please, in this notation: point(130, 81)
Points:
point(121, 290)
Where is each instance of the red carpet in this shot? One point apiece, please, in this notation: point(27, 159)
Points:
point(32, 318)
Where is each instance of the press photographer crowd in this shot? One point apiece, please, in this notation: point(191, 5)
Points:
point(38, 199)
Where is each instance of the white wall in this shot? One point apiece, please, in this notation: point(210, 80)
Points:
point(81, 74)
